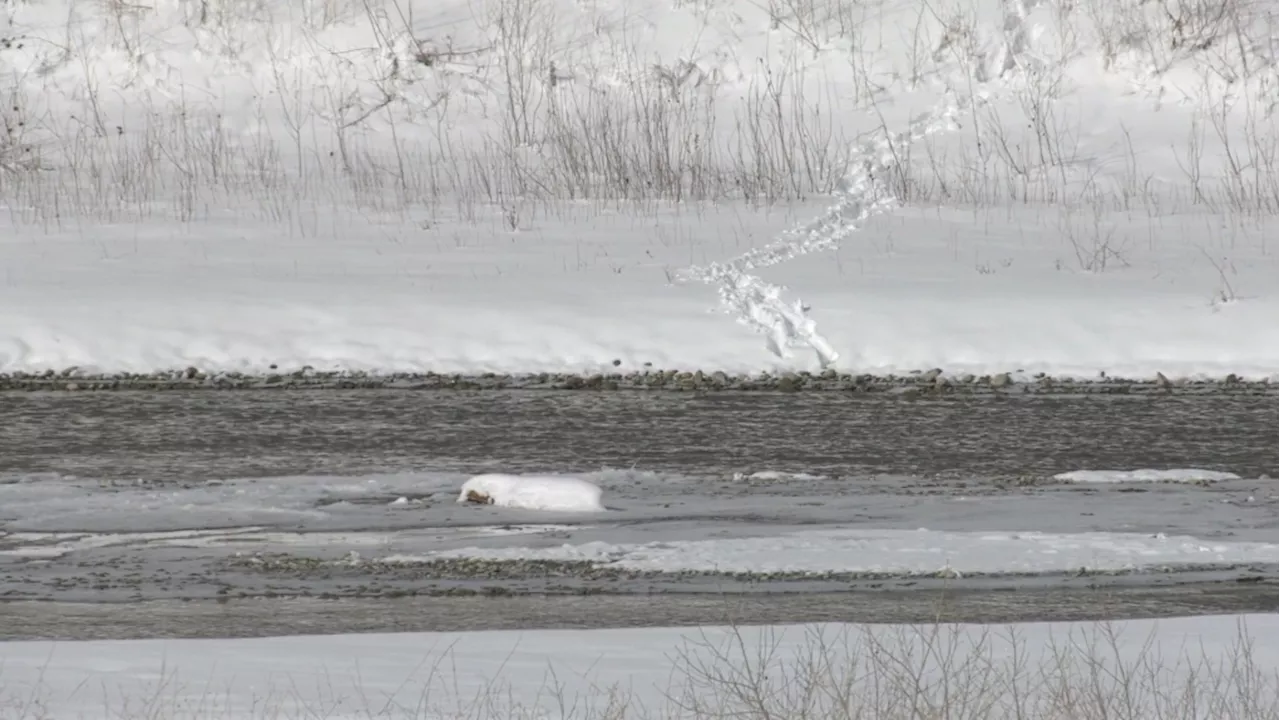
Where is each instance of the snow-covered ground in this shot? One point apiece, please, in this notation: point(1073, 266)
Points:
point(1174, 668)
point(548, 185)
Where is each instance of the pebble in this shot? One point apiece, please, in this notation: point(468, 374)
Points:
point(452, 569)
point(647, 380)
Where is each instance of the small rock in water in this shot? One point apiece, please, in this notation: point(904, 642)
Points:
point(478, 498)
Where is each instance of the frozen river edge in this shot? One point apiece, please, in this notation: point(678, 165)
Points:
point(930, 382)
point(268, 617)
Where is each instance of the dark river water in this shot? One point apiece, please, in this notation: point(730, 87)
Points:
point(159, 436)
point(156, 440)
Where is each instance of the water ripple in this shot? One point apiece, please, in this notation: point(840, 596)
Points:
point(193, 436)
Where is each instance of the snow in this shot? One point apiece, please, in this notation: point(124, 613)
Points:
point(1145, 475)
point(359, 190)
point(529, 673)
point(896, 552)
point(534, 492)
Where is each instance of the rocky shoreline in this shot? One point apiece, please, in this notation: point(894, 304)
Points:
point(934, 382)
point(282, 565)
point(282, 575)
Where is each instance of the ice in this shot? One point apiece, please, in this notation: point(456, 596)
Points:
point(575, 673)
point(88, 505)
point(897, 552)
point(533, 492)
point(46, 546)
point(776, 475)
point(57, 515)
point(1145, 476)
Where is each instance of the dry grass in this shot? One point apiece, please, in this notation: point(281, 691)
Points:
point(382, 132)
point(914, 673)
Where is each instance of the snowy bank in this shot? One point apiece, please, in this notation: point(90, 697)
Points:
point(1146, 475)
point(1225, 666)
point(422, 305)
point(533, 492)
point(165, 207)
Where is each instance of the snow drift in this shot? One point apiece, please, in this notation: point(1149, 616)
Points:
point(533, 492)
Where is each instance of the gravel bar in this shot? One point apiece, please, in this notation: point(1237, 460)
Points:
point(464, 568)
point(263, 617)
point(932, 382)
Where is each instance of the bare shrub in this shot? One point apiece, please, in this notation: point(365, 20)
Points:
point(1093, 239)
point(389, 126)
point(939, 671)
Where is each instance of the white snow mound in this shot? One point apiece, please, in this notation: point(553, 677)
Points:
point(1145, 475)
point(535, 492)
